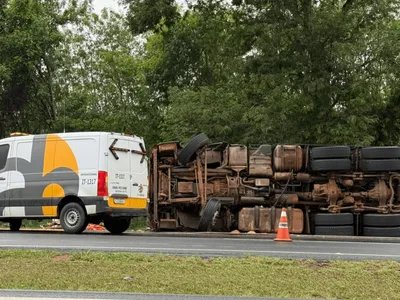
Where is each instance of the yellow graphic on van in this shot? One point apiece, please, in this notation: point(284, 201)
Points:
point(49, 211)
point(53, 190)
point(58, 154)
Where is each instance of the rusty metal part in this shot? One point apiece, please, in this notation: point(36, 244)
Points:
point(238, 157)
point(190, 171)
point(398, 192)
point(205, 178)
point(288, 158)
point(211, 157)
point(303, 177)
point(184, 200)
point(220, 187)
point(348, 200)
point(266, 220)
point(169, 184)
point(167, 148)
point(201, 185)
point(260, 162)
point(168, 223)
point(347, 182)
point(154, 182)
point(163, 183)
point(289, 198)
point(329, 192)
point(283, 176)
point(381, 193)
point(252, 200)
point(261, 182)
point(186, 188)
point(188, 220)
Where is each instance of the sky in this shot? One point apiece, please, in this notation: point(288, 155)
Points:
point(100, 4)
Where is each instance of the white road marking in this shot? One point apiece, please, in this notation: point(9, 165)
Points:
point(52, 298)
point(312, 241)
point(200, 250)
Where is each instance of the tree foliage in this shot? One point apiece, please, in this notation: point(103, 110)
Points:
point(249, 71)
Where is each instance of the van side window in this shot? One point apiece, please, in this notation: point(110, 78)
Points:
point(3, 155)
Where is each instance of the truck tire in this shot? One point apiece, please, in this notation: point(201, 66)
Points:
point(327, 165)
point(15, 225)
point(73, 218)
point(380, 165)
point(330, 152)
point(206, 219)
point(378, 220)
point(117, 225)
point(327, 219)
point(334, 230)
point(382, 231)
point(187, 153)
point(380, 152)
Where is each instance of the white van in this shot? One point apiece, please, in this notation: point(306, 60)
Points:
point(78, 177)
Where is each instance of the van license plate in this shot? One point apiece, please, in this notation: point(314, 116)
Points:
point(119, 201)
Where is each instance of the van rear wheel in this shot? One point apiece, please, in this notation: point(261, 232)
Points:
point(73, 218)
point(15, 225)
point(117, 225)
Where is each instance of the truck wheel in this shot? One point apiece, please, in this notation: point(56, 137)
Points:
point(380, 152)
point(73, 218)
point(209, 213)
point(187, 153)
point(380, 165)
point(327, 219)
point(377, 220)
point(330, 152)
point(382, 231)
point(15, 225)
point(334, 230)
point(117, 225)
point(326, 165)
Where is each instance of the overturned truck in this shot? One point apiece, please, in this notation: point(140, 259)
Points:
point(217, 186)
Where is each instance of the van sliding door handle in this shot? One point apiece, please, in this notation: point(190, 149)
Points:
point(2, 178)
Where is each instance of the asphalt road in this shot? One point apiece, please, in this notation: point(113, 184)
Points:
point(205, 247)
point(66, 295)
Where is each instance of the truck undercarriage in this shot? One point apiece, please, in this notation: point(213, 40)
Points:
point(341, 190)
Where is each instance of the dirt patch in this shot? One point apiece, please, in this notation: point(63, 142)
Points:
point(318, 265)
point(64, 257)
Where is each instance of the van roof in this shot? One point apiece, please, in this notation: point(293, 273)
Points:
point(19, 135)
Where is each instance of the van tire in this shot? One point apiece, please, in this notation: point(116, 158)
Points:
point(15, 225)
point(73, 218)
point(117, 225)
point(197, 142)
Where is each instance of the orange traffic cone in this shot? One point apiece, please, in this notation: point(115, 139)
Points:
point(283, 230)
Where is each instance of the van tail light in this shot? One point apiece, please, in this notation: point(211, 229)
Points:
point(102, 184)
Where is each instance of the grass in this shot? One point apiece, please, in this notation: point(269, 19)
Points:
point(248, 276)
point(138, 223)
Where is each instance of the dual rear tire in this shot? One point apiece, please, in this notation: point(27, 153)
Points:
point(74, 220)
point(334, 224)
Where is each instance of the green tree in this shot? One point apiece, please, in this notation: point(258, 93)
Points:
point(29, 37)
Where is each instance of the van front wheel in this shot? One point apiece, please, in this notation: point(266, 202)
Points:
point(73, 218)
point(117, 225)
